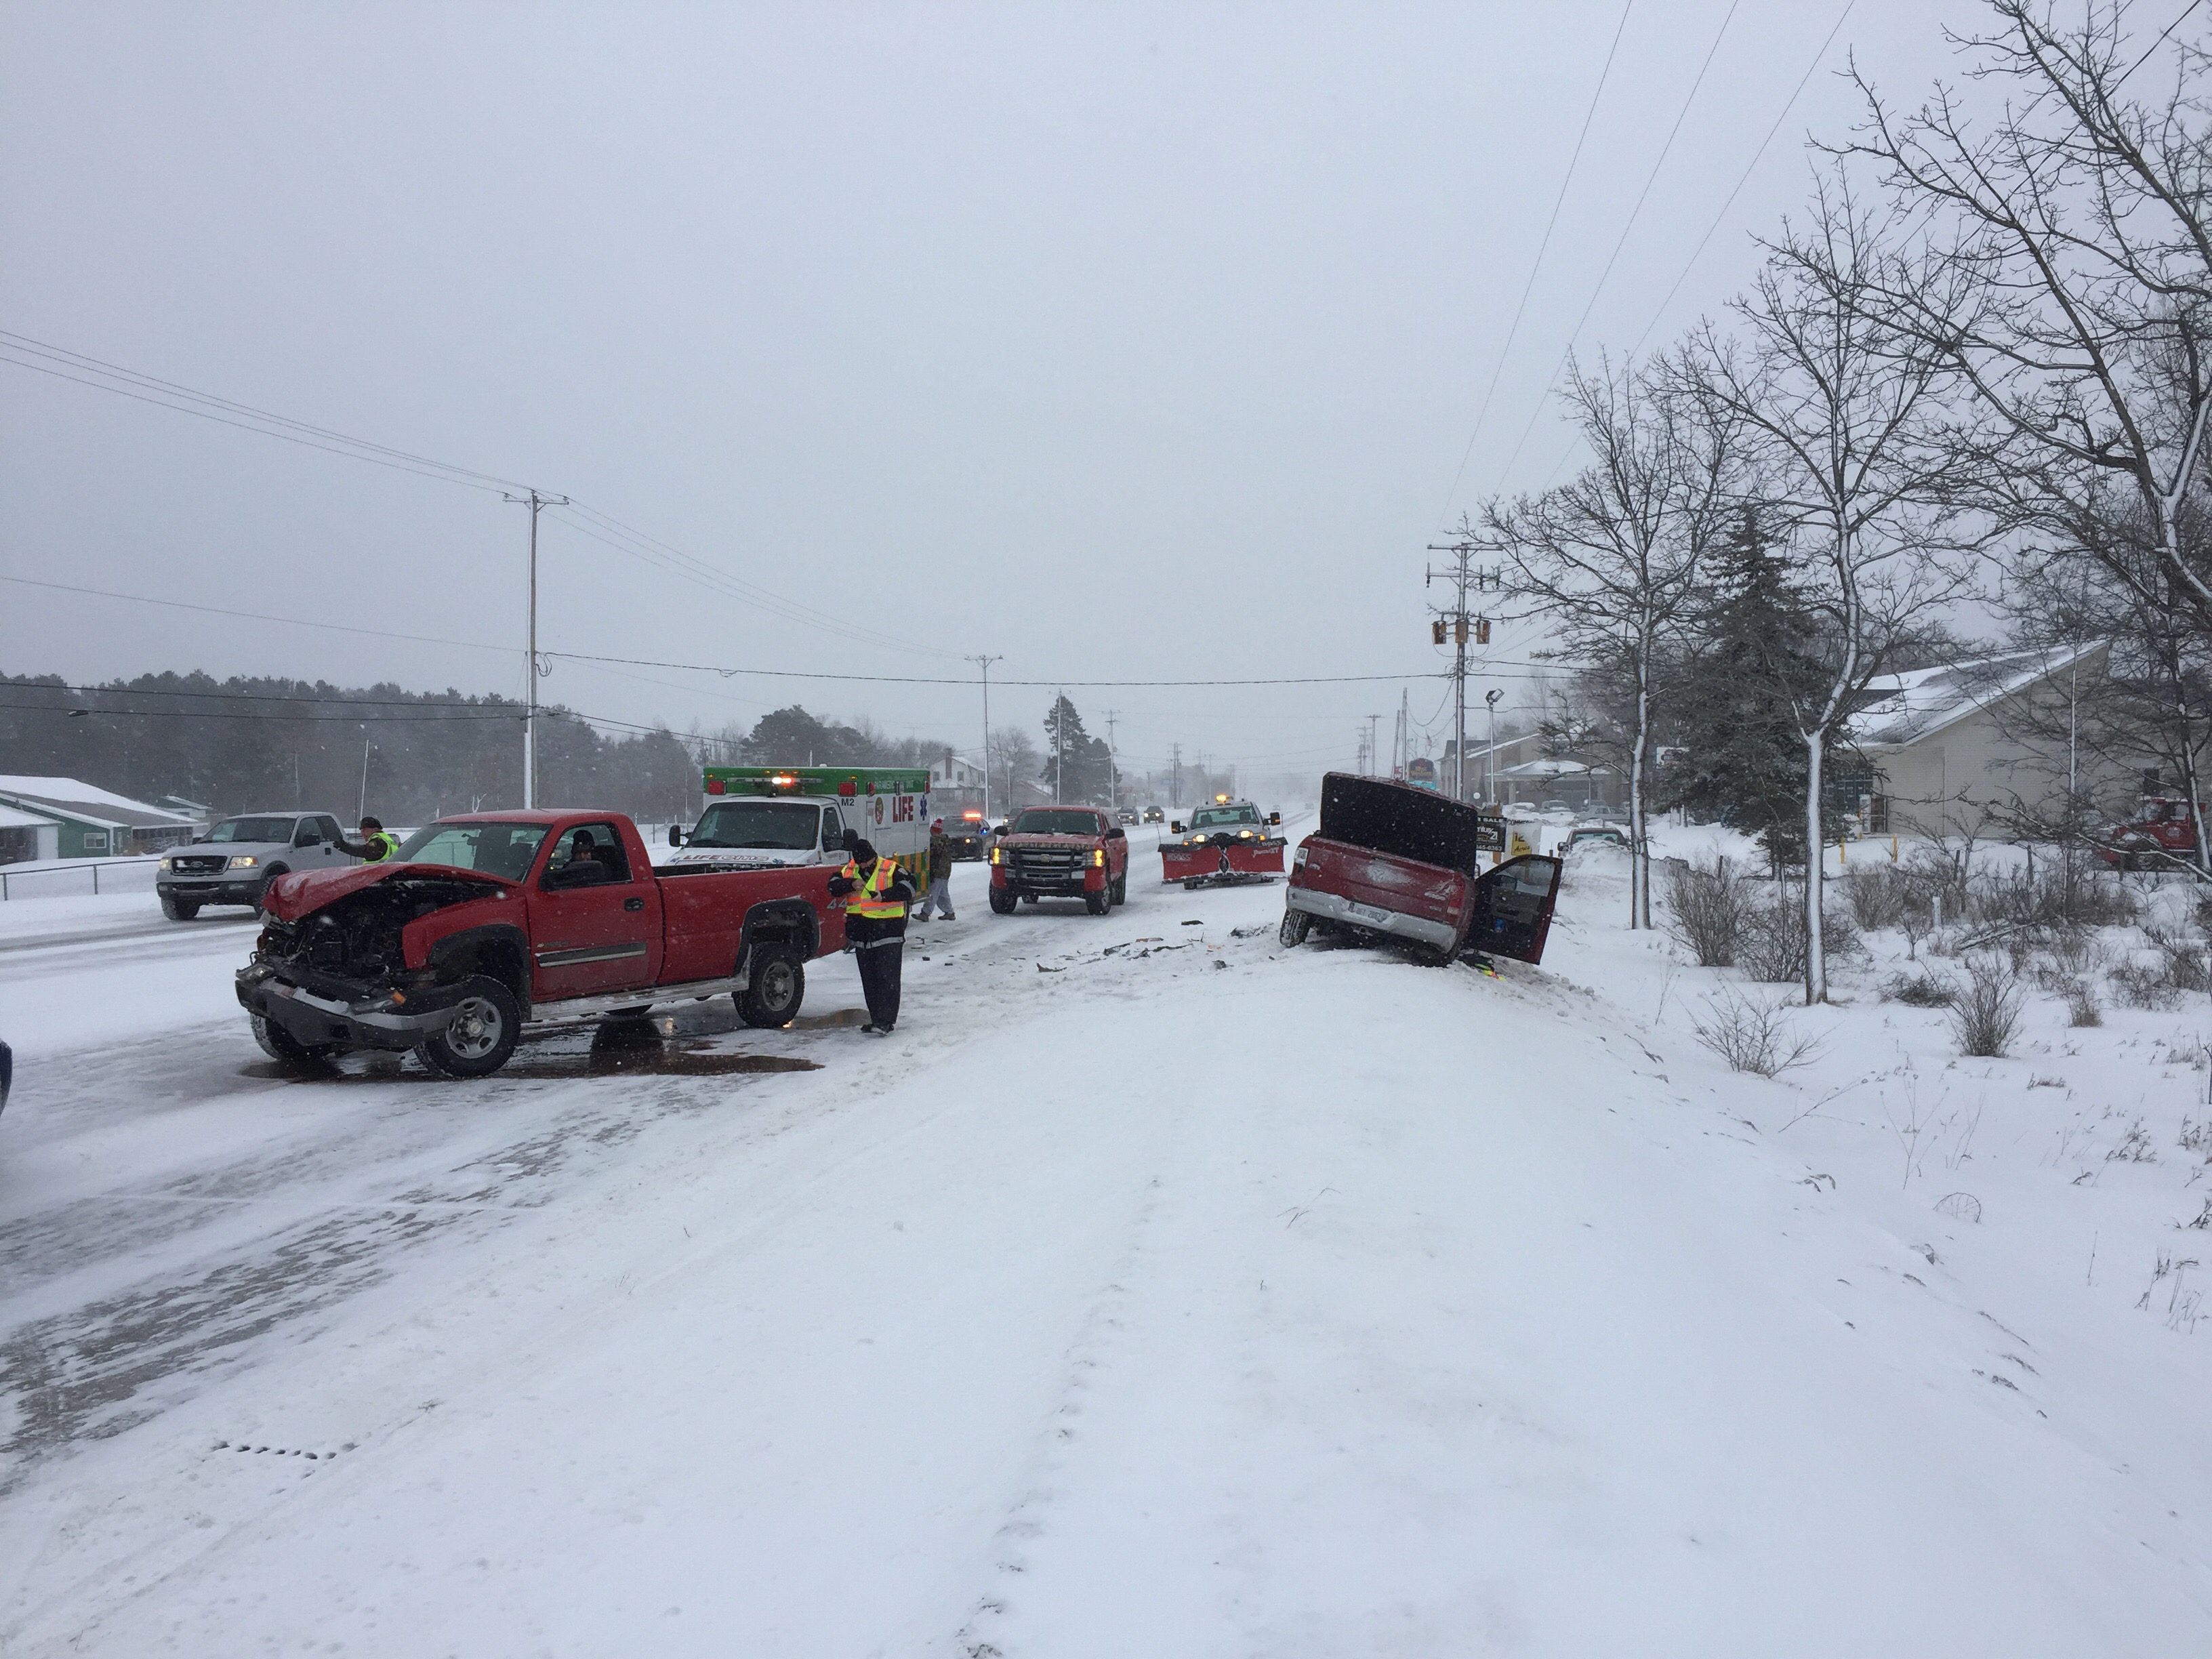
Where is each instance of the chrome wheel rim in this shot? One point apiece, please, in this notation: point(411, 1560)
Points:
point(475, 1029)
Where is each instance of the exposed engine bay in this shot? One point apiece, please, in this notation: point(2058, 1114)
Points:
point(357, 937)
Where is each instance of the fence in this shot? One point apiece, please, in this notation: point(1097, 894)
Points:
point(77, 875)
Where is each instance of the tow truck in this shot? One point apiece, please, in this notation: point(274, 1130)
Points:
point(1228, 843)
point(759, 817)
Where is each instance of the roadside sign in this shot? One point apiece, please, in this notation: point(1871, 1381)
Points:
point(1421, 772)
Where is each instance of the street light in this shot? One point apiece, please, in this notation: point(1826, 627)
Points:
point(1490, 760)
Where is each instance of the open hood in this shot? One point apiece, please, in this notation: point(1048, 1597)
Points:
point(302, 892)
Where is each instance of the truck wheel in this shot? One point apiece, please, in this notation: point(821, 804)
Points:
point(1100, 902)
point(1119, 888)
point(483, 1034)
point(179, 910)
point(1002, 901)
point(1296, 925)
point(774, 990)
point(280, 1044)
point(261, 894)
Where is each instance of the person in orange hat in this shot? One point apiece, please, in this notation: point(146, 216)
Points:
point(940, 873)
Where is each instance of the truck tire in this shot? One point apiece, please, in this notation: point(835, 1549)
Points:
point(179, 910)
point(261, 894)
point(1119, 888)
point(483, 1034)
point(1100, 902)
point(774, 989)
point(1002, 901)
point(280, 1045)
point(1297, 924)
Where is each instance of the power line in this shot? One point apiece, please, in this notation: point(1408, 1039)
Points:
point(1558, 202)
point(2156, 44)
point(1743, 179)
point(1650, 179)
point(255, 616)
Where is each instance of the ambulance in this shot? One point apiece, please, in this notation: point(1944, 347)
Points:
point(766, 817)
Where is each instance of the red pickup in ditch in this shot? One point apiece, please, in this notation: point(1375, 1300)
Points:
point(1395, 862)
point(485, 921)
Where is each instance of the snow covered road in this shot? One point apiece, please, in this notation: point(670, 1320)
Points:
point(1153, 1291)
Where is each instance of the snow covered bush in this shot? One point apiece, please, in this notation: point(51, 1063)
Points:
point(1753, 1035)
point(1920, 990)
point(1877, 896)
point(1985, 1015)
point(1771, 943)
point(1708, 906)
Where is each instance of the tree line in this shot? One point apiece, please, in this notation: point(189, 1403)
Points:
point(1976, 365)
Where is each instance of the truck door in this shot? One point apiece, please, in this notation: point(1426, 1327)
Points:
point(595, 922)
point(1512, 907)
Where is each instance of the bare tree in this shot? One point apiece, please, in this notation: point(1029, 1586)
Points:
point(1013, 755)
point(1612, 556)
point(1840, 411)
point(2084, 217)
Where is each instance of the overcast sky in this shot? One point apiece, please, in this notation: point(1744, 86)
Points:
point(1129, 342)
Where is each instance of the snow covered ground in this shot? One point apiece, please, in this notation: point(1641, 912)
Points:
point(1154, 1291)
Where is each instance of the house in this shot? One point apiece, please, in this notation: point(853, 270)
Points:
point(94, 822)
point(1518, 769)
point(1950, 745)
point(25, 836)
point(951, 775)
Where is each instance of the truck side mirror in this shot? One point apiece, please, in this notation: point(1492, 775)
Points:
point(1175, 828)
point(676, 835)
point(1114, 834)
point(1275, 817)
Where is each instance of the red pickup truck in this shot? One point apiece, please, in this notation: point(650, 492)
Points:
point(485, 921)
point(1060, 852)
point(1394, 861)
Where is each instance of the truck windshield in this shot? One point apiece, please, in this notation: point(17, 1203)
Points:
point(252, 830)
point(1222, 818)
point(497, 849)
point(1040, 821)
point(784, 824)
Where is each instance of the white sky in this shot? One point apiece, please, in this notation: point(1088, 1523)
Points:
point(1130, 342)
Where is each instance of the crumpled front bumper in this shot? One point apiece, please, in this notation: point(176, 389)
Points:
point(369, 1022)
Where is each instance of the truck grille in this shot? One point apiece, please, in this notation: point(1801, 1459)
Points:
point(199, 865)
point(1048, 860)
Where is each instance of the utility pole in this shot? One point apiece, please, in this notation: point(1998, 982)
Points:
point(1457, 623)
point(984, 663)
point(1059, 740)
point(1175, 784)
point(1490, 759)
point(537, 504)
point(1113, 768)
point(1374, 753)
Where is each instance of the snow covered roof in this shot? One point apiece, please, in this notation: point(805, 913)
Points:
point(87, 804)
point(1908, 708)
point(11, 818)
point(1549, 768)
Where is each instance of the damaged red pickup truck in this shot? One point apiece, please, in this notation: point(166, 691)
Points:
point(485, 921)
point(1392, 861)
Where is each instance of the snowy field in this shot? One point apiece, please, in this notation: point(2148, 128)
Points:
point(1153, 1291)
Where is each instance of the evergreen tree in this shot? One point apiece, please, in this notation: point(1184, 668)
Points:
point(1752, 660)
point(1076, 766)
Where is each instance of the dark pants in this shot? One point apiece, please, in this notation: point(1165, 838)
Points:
point(881, 960)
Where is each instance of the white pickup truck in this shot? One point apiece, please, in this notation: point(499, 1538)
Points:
point(760, 817)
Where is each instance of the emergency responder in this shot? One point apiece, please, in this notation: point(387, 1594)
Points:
point(940, 873)
point(875, 892)
point(376, 843)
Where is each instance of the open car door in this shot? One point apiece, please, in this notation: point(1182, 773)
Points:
point(1513, 908)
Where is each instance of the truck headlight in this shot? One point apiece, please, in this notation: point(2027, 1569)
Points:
point(243, 861)
point(1098, 857)
point(995, 856)
point(165, 864)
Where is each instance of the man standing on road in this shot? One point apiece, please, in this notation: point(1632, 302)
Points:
point(875, 892)
point(940, 873)
point(376, 843)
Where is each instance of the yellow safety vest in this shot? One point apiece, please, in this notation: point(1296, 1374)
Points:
point(867, 899)
point(382, 846)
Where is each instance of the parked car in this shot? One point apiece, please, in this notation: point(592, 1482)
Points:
point(1393, 861)
point(1595, 835)
point(486, 921)
point(1060, 852)
point(234, 862)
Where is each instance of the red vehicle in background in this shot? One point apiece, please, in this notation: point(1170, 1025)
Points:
point(1059, 852)
point(1395, 862)
point(1227, 842)
point(2162, 835)
point(486, 921)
